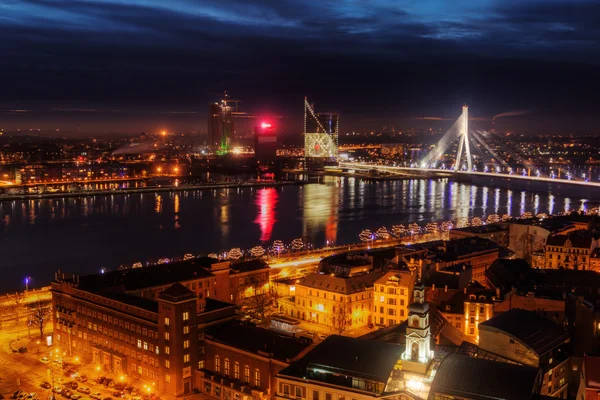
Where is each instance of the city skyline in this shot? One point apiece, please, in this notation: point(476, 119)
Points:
point(143, 66)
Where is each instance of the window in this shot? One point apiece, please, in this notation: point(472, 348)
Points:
point(167, 350)
point(226, 369)
point(236, 370)
point(186, 315)
point(481, 310)
point(217, 363)
point(157, 351)
point(167, 378)
point(139, 344)
point(167, 364)
point(167, 336)
point(167, 321)
point(200, 364)
point(186, 344)
point(247, 374)
point(286, 389)
point(315, 395)
point(328, 396)
point(257, 377)
point(145, 345)
point(186, 358)
point(186, 329)
point(298, 391)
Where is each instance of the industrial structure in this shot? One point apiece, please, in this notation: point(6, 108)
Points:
point(320, 138)
point(220, 123)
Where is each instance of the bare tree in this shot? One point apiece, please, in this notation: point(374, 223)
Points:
point(341, 316)
point(14, 305)
point(263, 301)
point(40, 315)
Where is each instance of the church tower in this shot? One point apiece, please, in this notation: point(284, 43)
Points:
point(418, 353)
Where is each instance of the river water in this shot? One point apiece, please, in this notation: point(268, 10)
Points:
point(83, 235)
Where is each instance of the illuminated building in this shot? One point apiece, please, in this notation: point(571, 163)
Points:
point(220, 123)
point(320, 138)
point(324, 299)
point(418, 354)
point(570, 251)
point(466, 309)
point(265, 143)
point(242, 360)
point(393, 294)
point(145, 322)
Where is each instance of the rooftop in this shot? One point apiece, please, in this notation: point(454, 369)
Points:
point(580, 239)
point(535, 331)
point(462, 376)
point(366, 359)
point(248, 266)
point(254, 339)
point(504, 272)
point(344, 285)
point(490, 228)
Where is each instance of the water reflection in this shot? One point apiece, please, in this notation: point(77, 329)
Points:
point(267, 215)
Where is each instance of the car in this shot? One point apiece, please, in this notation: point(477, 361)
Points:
point(84, 390)
point(322, 336)
point(22, 349)
point(108, 398)
point(82, 378)
point(96, 395)
point(22, 396)
point(107, 382)
point(45, 385)
point(17, 393)
point(66, 393)
point(32, 396)
point(44, 360)
point(76, 396)
point(71, 385)
point(57, 389)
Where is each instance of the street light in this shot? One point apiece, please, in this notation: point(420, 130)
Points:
point(38, 346)
point(98, 370)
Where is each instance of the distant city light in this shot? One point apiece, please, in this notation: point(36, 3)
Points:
point(265, 125)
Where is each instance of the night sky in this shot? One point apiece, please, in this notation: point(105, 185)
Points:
point(144, 65)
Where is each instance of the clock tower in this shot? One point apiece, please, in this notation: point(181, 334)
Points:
point(418, 354)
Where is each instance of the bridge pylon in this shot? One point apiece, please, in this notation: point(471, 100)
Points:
point(464, 141)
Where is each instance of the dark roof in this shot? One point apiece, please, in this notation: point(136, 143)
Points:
point(504, 272)
point(581, 239)
point(367, 359)
point(479, 379)
point(537, 332)
point(254, 339)
point(156, 275)
point(489, 228)
point(344, 285)
point(456, 249)
point(248, 266)
point(132, 300)
point(213, 305)
point(176, 292)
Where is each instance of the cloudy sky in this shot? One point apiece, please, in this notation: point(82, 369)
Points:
point(141, 65)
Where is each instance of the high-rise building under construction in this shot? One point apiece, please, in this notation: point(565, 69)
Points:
point(220, 124)
point(320, 138)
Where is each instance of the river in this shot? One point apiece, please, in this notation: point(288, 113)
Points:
point(85, 234)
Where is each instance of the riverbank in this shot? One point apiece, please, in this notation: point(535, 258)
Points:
point(150, 189)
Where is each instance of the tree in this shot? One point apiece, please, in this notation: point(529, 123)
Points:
point(40, 315)
point(263, 300)
point(341, 317)
point(14, 305)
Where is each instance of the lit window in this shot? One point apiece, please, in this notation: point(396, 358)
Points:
point(236, 370)
point(381, 299)
point(186, 344)
point(167, 364)
point(145, 345)
point(247, 374)
point(257, 377)
point(186, 329)
point(226, 369)
point(167, 321)
point(186, 358)
point(217, 364)
point(167, 336)
point(139, 344)
point(167, 350)
point(168, 378)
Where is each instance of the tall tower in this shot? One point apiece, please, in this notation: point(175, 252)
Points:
point(464, 141)
point(220, 123)
point(418, 353)
point(320, 137)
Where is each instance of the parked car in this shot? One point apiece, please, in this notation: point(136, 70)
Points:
point(22, 349)
point(45, 385)
point(84, 390)
point(82, 378)
point(17, 393)
point(96, 395)
point(67, 393)
point(76, 396)
point(32, 396)
point(107, 381)
point(57, 389)
point(71, 385)
point(44, 360)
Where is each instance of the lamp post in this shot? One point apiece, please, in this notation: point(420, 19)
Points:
point(38, 346)
point(98, 371)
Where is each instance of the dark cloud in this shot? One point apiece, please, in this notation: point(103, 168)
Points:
point(378, 61)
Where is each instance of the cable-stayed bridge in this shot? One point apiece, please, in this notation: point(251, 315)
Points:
point(477, 153)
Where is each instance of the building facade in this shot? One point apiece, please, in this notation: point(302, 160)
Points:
point(571, 251)
point(392, 297)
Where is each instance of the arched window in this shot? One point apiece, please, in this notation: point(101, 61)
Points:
point(226, 367)
point(236, 370)
point(246, 374)
point(217, 363)
point(257, 377)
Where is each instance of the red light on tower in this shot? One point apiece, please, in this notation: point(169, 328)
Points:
point(265, 125)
